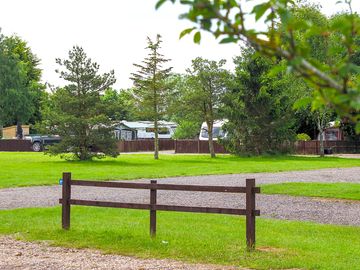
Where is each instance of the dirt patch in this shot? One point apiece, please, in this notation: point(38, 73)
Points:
point(271, 249)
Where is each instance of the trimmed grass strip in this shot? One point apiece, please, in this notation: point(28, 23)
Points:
point(34, 169)
point(202, 238)
point(348, 191)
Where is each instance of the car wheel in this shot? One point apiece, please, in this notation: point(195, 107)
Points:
point(36, 147)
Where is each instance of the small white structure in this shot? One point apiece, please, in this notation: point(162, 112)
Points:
point(218, 132)
point(127, 130)
point(332, 133)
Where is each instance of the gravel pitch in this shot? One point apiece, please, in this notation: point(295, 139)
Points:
point(273, 206)
point(40, 256)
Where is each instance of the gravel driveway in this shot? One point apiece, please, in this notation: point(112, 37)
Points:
point(273, 206)
point(40, 256)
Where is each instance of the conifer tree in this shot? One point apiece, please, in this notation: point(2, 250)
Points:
point(151, 87)
point(77, 112)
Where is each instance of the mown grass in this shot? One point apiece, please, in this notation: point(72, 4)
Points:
point(349, 191)
point(203, 238)
point(28, 169)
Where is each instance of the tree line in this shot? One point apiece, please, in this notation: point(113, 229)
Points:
point(267, 101)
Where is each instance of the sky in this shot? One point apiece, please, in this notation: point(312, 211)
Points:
point(113, 33)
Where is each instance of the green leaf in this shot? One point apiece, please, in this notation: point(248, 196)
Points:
point(186, 2)
point(228, 40)
point(259, 10)
point(302, 103)
point(197, 37)
point(357, 128)
point(186, 32)
point(160, 3)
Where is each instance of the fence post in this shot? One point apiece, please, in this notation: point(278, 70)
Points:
point(250, 215)
point(66, 195)
point(152, 210)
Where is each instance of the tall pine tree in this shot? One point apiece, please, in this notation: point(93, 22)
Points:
point(77, 113)
point(151, 87)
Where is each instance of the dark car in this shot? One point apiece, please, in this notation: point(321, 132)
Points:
point(40, 142)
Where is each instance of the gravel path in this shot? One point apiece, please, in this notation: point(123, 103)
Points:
point(273, 206)
point(40, 256)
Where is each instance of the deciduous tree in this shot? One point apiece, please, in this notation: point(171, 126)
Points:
point(207, 83)
point(20, 88)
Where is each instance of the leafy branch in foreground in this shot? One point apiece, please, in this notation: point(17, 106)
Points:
point(337, 84)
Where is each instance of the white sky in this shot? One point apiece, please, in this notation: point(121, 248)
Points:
point(112, 32)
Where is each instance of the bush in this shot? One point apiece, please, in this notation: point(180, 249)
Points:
point(303, 137)
point(187, 130)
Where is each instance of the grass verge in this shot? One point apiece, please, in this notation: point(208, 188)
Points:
point(30, 169)
point(348, 191)
point(202, 238)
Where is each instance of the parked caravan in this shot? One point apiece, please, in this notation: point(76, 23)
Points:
point(218, 132)
point(127, 130)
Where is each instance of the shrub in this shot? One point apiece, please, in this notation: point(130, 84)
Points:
point(303, 137)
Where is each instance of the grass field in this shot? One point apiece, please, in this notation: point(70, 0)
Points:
point(201, 238)
point(349, 191)
point(27, 169)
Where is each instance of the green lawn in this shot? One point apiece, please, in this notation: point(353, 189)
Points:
point(204, 238)
point(27, 169)
point(349, 191)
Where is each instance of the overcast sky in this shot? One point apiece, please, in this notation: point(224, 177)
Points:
point(112, 32)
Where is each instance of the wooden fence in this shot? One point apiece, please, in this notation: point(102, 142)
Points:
point(301, 148)
point(16, 145)
point(197, 146)
point(336, 147)
point(144, 145)
point(250, 212)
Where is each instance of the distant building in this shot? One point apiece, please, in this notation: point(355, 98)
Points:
point(135, 130)
point(10, 132)
point(124, 132)
point(332, 133)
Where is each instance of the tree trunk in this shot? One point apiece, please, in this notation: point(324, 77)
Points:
point(156, 140)
point(211, 142)
point(19, 130)
point(321, 143)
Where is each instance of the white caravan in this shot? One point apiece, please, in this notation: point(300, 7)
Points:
point(218, 132)
point(145, 129)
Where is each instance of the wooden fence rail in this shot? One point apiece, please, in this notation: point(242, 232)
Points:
point(250, 212)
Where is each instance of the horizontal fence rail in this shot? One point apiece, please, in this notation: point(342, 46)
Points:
point(250, 212)
point(162, 186)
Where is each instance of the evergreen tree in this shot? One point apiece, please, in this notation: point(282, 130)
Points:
point(259, 107)
point(151, 86)
point(76, 112)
